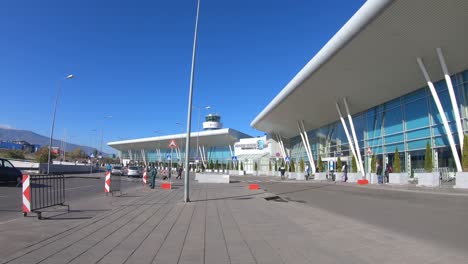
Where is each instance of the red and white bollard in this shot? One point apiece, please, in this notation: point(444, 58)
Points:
point(26, 195)
point(107, 182)
point(145, 177)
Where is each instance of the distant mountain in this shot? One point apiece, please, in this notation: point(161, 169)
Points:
point(7, 134)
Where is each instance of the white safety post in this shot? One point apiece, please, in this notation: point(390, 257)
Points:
point(442, 114)
point(453, 99)
point(356, 142)
point(343, 122)
point(312, 163)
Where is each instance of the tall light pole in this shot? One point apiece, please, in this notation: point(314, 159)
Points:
point(198, 133)
point(70, 76)
point(181, 140)
point(189, 110)
point(102, 133)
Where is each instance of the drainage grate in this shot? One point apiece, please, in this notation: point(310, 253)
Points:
point(275, 198)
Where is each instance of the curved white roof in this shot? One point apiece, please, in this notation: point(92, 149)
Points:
point(208, 138)
point(370, 60)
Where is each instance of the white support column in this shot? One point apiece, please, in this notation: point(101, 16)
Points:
point(442, 114)
point(279, 143)
point(343, 122)
point(453, 99)
point(230, 150)
point(305, 141)
point(356, 142)
point(143, 154)
point(130, 155)
point(280, 140)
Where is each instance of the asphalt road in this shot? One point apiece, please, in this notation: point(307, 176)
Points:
point(441, 219)
point(79, 188)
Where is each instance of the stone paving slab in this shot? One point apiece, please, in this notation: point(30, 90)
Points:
point(226, 224)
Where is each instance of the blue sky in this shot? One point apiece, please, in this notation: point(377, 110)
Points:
point(132, 61)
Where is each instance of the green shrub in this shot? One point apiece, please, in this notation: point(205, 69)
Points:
point(276, 165)
point(353, 164)
point(465, 153)
point(255, 166)
point(293, 167)
point(301, 165)
point(397, 162)
point(428, 167)
point(269, 165)
point(242, 166)
point(217, 165)
point(339, 165)
point(373, 163)
point(320, 164)
point(42, 155)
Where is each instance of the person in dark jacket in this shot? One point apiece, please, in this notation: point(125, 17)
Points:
point(379, 172)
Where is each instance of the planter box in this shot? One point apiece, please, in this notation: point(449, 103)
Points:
point(398, 178)
point(427, 179)
point(353, 177)
point(242, 173)
point(290, 175)
point(339, 176)
point(320, 176)
point(373, 178)
point(211, 178)
point(300, 176)
point(461, 180)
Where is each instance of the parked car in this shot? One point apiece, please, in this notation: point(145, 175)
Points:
point(117, 170)
point(133, 171)
point(9, 173)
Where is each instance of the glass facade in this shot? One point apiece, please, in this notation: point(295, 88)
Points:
point(407, 123)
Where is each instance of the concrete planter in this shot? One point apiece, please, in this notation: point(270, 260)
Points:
point(320, 176)
point(353, 177)
point(398, 178)
point(461, 180)
point(300, 176)
point(291, 176)
point(339, 176)
point(373, 178)
point(427, 179)
point(242, 173)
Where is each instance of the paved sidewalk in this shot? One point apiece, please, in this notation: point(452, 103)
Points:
point(224, 224)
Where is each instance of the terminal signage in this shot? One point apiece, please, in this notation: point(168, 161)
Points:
point(287, 159)
point(172, 144)
point(168, 157)
point(234, 158)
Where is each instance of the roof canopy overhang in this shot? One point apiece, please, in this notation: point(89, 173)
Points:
point(209, 138)
point(371, 60)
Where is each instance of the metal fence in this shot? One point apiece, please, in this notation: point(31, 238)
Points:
point(46, 191)
point(115, 184)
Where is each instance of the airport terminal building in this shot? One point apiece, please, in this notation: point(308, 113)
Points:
point(394, 76)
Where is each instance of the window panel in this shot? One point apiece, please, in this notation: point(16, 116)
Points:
point(391, 148)
point(421, 133)
point(393, 121)
point(394, 138)
point(441, 141)
point(417, 144)
point(416, 114)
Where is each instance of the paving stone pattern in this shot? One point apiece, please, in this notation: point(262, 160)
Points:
point(226, 224)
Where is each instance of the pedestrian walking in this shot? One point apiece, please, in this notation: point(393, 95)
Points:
point(379, 172)
point(307, 172)
point(282, 171)
point(179, 172)
point(345, 172)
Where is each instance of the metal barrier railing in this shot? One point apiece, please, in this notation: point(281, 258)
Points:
point(43, 191)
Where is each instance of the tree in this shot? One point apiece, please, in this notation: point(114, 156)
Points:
point(320, 164)
point(373, 163)
point(428, 158)
point(339, 165)
point(397, 163)
point(77, 153)
point(301, 165)
point(269, 165)
point(217, 165)
point(353, 164)
point(12, 154)
point(255, 166)
point(276, 165)
point(293, 166)
point(242, 166)
point(211, 166)
point(95, 152)
point(42, 155)
point(465, 154)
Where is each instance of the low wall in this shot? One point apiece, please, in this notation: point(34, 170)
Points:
point(57, 168)
point(212, 178)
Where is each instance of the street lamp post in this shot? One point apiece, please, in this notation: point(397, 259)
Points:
point(70, 76)
point(189, 110)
